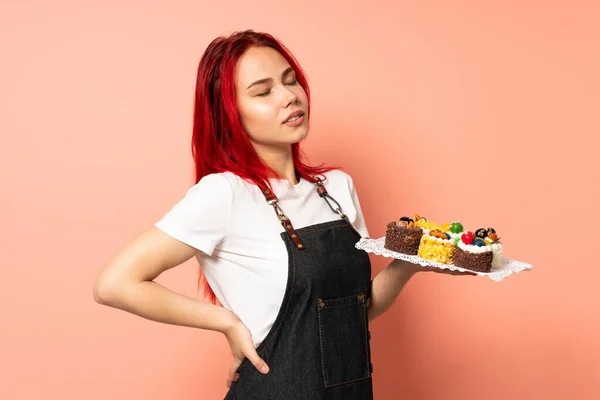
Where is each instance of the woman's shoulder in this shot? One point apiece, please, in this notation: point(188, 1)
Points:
point(236, 183)
point(228, 185)
point(338, 177)
point(222, 181)
point(219, 183)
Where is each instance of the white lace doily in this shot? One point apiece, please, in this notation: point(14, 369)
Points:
point(507, 268)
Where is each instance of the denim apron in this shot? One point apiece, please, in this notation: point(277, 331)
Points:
point(319, 345)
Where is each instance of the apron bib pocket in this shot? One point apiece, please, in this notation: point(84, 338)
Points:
point(344, 341)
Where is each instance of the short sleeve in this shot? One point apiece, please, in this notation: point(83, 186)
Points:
point(359, 223)
point(202, 218)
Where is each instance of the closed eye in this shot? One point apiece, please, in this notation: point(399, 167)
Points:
point(267, 92)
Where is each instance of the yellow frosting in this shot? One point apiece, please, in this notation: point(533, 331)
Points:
point(426, 224)
point(437, 250)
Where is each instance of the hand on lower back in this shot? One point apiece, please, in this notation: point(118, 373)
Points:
point(242, 346)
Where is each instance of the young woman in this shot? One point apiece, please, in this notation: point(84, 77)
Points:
point(274, 237)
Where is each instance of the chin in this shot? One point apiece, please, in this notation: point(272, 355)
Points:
point(295, 136)
point(298, 139)
point(301, 134)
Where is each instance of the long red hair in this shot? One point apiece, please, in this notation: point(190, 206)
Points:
point(219, 142)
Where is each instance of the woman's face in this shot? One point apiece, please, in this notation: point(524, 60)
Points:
point(272, 105)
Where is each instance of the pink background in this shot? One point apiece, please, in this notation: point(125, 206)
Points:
point(485, 112)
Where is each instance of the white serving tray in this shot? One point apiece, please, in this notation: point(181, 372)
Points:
point(507, 268)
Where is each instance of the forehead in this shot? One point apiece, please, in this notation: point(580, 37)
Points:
point(259, 63)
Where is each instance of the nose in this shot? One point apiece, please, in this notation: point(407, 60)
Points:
point(289, 97)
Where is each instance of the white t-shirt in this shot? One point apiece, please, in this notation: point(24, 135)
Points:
point(243, 257)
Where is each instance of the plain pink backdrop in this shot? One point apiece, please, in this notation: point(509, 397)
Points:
point(485, 112)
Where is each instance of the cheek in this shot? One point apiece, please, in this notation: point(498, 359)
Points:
point(301, 94)
point(255, 117)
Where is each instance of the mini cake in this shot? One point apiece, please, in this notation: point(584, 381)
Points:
point(437, 246)
point(403, 236)
point(479, 252)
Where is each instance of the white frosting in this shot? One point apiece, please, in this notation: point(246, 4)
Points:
point(455, 235)
point(474, 249)
point(498, 251)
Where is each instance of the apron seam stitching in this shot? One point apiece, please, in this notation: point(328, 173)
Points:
point(325, 229)
point(321, 343)
point(287, 306)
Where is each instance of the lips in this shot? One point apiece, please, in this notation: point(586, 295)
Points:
point(293, 116)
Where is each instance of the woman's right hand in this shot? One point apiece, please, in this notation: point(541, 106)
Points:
point(242, 346)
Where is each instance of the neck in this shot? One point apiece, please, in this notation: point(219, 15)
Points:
point(281, 161)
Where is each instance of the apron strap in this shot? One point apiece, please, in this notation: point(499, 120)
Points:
point(338, 210)
point(285, 221)
point(325, 195)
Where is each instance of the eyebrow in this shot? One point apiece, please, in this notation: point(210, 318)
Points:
point(267, 80)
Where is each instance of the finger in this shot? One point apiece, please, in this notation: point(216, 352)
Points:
point(233, 371)
point(233, 375)
point(258, 362)
point(232, 378)
point(464, 273)
point(453, 271)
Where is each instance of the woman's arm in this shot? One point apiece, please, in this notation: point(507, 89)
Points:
point(387, 285)
point(127, 283)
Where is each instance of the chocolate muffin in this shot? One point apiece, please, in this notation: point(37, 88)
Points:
point(403, 236)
